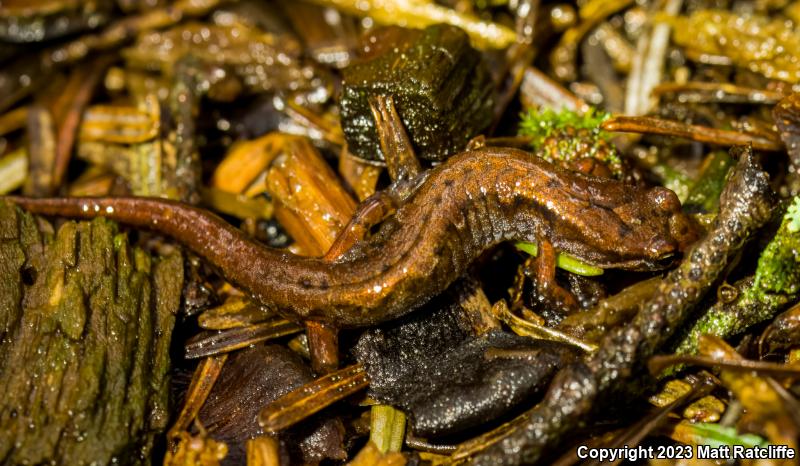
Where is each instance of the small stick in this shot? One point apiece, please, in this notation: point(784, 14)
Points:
point(310, 398)
point(652, 125)
point(697, 91)
point(203, 380)
point(236, 338)
point(660, 362)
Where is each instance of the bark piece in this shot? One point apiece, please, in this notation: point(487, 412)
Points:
point(85, 325)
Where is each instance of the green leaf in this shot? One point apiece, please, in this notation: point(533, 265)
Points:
point(563, 261)
point(716, 435)
point(387, 428)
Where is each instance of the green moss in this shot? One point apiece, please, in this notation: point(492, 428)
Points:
point(541, 124)
point(703, 196)
point(566, 136)
point(778, 269)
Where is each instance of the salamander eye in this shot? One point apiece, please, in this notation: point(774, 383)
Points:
point(665, 200)
point(665, 260)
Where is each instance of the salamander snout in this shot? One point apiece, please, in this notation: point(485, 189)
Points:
point(682, 231)
point(662, 250)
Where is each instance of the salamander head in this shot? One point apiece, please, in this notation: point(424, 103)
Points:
point(655, 229)
point(605, 222)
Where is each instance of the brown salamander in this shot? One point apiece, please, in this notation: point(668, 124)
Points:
point(475, 200)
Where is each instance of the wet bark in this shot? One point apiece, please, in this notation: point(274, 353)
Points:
point(85, 325)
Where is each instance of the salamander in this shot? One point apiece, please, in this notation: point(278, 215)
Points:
point(459, 209)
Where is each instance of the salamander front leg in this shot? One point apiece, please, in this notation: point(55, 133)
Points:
point(546, 285)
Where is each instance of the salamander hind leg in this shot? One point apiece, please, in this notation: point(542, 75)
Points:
point(398, 153)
